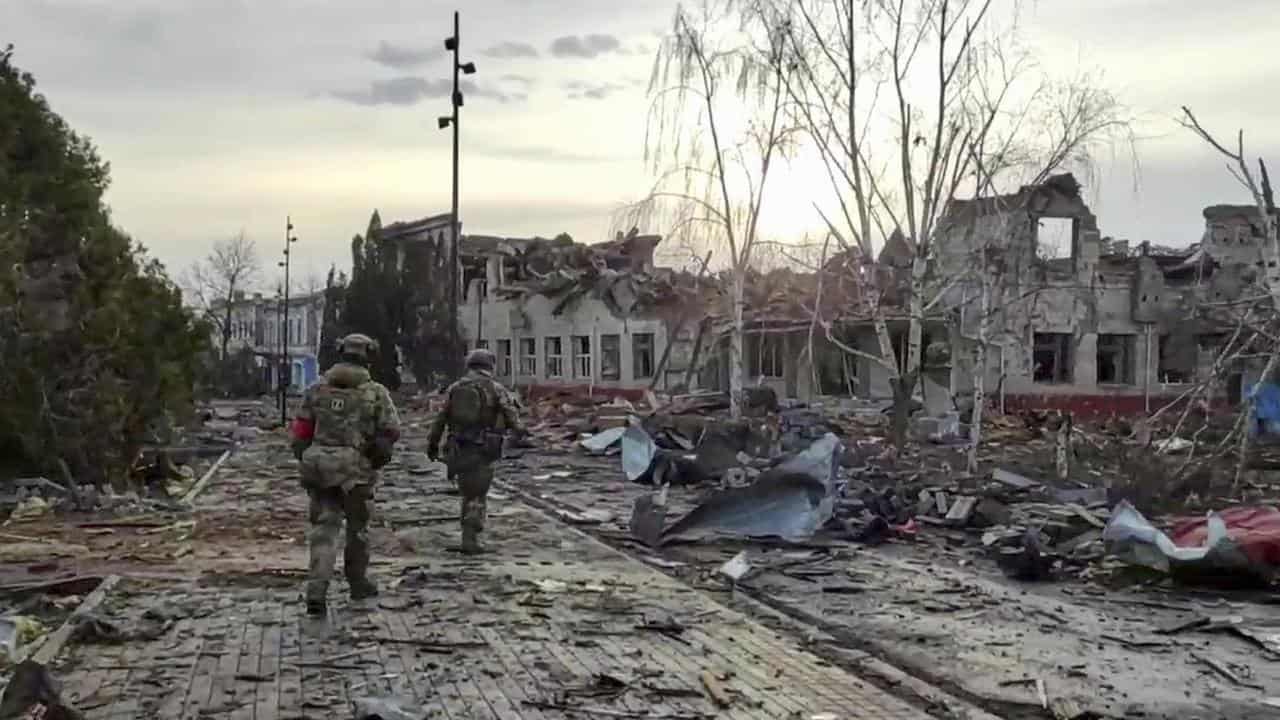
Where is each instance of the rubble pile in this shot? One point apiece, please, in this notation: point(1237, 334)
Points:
point(619, 272)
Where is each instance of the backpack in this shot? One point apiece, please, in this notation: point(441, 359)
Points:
point(470, 407)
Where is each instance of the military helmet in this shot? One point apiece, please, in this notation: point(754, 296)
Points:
point(481, 358)
point(358, 345)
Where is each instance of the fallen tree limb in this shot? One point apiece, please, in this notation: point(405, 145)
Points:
point(200, 485)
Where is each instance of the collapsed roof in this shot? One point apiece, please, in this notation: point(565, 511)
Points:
point(619, 272)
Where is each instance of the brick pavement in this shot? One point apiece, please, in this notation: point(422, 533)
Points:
point(550, 625)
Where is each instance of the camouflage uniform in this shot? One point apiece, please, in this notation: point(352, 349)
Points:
point(473, 448)
point(343, 434)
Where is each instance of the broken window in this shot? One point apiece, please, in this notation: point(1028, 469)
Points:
point(642, 355)
point(1055, 238)
point(610, 357)
point(1051, 358)
point(1115, 359)
point(1177, 361)
point(764, 355)
point(582, 356)
point(504, 358)
point(554, 348)
point(474, 270)
point(528, 357)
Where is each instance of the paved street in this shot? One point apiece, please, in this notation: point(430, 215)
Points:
point(550, 624)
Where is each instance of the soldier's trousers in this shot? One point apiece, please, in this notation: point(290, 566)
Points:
point(329, 508)
point(473, 476)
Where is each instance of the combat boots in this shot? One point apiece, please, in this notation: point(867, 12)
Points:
point(316, 604)
point(363, 589)
point(470, 544)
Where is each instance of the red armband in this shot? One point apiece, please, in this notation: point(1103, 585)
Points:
point(303, 429)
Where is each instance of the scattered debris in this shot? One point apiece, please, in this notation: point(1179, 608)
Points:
point(790, 501)
point(737, 568)
point(386, 708)
point(33, 693)
point(716, 689)
point(1240, 546)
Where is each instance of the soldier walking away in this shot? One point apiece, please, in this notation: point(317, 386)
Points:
point(344, 433)
point(477, 412)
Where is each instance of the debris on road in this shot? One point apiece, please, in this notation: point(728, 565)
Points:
point(791, 501)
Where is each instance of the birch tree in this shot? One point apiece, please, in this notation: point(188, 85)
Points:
point(1075, 120)
point(712, 177)
point(1259, 187)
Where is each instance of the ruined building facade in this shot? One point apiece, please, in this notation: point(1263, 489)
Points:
point(559, 314)
point(1101, 327)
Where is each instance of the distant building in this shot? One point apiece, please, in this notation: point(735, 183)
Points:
point(257, 323)
point(559, 314)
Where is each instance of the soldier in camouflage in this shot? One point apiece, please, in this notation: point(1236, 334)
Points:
point(344, 433)
point(477, 412)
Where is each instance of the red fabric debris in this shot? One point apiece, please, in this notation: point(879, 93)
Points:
point(303, 429)
point(1255, 529)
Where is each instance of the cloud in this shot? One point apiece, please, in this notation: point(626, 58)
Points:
point(402, 58)
point(524, 80)
point(406, 91)
point(540, 154)
point(585, 91)
point(511, 50)
point(584, 46)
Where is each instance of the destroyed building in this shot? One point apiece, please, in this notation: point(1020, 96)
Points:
point(1100, 327)
point(786, 350)
point(559, 314)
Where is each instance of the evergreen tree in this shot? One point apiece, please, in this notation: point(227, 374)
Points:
point(97, 351)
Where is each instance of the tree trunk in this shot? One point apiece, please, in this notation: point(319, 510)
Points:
point(1062, 449)
point(915, 328)
point(226, 330)
point(737, 368)
point(980, 355)
point(901, 409)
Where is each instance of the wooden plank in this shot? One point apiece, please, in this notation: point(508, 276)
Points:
point(247, 682)
point(52, 645)
point(213, 641)
point(204, 479)
point(521, 687)
point(267, 699)
point(289, 701)
point(432, 699)
point(222, 689)
point(188, 651)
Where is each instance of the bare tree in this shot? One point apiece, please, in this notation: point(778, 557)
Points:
point(711, 182)
point(231, 267)
point(1074, 120)
point(1259, 187)
point(909, 104)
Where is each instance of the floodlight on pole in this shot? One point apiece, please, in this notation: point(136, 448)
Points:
point(285, 367)
point(453, 45)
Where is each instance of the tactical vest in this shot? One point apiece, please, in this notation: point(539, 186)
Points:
point(343, 415)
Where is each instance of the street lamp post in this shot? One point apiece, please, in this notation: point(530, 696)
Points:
point(453, 44)
point(286, 368)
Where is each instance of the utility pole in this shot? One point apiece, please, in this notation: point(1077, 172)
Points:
point(454, 44)
point(285, 375)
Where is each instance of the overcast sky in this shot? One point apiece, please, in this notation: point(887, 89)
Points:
point(223, 115)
